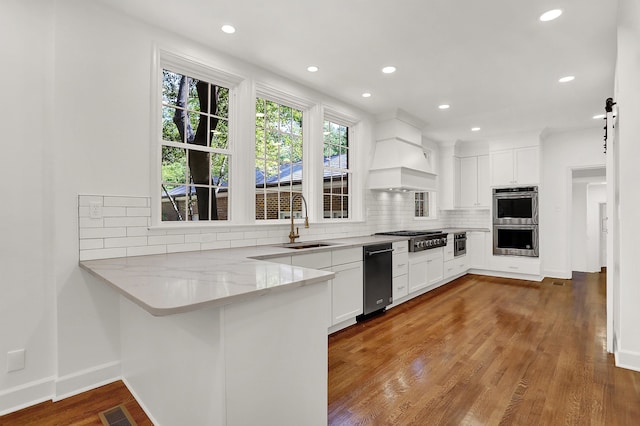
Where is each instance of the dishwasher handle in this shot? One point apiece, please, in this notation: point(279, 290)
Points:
point(371, 253)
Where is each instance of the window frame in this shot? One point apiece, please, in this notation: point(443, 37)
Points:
point(270, 93)
point(348, 122)
point(431, 206)
point(165, 59)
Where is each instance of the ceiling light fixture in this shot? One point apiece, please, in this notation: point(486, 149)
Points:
point(312, 68)
point(389, 70)
point(566, 79)
point(366, 95)
point(550, 15)
point(229, 29)
point(475, 129)
point(444, 106)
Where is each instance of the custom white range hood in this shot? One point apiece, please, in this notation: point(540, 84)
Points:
point(400, 162)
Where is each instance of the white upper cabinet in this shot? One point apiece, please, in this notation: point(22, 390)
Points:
point(518, 166)
point(474, 182)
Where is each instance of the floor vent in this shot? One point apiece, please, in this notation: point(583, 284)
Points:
point(116, 416)
point(558, 283)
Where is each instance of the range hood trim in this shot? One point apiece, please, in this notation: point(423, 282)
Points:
point(403, 179)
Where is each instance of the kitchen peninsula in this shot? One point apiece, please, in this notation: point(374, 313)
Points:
point(214, 337)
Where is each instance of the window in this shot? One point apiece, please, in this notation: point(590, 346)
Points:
point(195, 149)
point(336, 171)
point(278, 160)
point(423, 204)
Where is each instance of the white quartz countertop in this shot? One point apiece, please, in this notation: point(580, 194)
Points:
point(167, 284)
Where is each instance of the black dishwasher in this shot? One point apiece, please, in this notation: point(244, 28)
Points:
point(377, 278)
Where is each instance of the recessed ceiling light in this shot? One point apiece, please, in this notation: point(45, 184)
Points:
point(366, 95)
point(566, 79)
point(444, 106)
point(475, 129)
point(229, 29)
point(389, 70)
point(596, 117)
point(550, 15)
point(312, 68)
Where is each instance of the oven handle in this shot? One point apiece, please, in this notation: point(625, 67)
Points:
point(371, 253)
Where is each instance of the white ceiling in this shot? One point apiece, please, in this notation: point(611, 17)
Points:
point(493, 61)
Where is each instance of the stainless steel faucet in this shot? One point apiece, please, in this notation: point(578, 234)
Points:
point(292, 236)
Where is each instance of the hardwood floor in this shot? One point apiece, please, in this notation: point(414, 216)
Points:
point(485, 351)
point(478, 351)
point(79, 410)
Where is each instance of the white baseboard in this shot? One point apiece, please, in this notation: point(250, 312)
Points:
point(26, 395)
point(91, 378)
point(628, 360)
point(501, 274)
point(563, 275)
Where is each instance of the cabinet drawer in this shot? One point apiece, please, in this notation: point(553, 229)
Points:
point(517, 265)
point(312, 260)
point(400, 287)
point(346, 255)
point(455, 266)
point(400, 264)
point(400, 247)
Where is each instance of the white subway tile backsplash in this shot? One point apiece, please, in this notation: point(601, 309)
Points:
point(102, 232)
point(146, 250)
point(230, 236)
point(102, 253)
point(124, 230)
point(177, 248)
point(86, 200)
point(126, 201)
point(92, 244)
point(166, 239)
point(214, 245)
point(138, 211)
point(242, 243)
point(125, 242)
point(126, 221)
point(114, 211)
point(86, 222)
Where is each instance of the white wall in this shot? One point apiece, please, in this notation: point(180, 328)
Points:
point(585, 224)
point(628, 98)
point(561, 152)
point(26, 284)
point(79, 123)
point(596, 194)
point(579, 227)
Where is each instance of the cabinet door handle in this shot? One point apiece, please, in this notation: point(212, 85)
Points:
point(400, 264)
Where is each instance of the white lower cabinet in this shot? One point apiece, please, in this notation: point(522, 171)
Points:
point(400, 287)
point(477, 250)
point(455, 266)
point(417, 271)
point(400, 271)
point(435, 266)
point(425, 268)
point(346, 292)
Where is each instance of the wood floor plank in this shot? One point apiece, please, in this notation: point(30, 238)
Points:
point(484, 351)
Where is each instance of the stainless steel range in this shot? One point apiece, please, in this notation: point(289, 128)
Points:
point(421, 240)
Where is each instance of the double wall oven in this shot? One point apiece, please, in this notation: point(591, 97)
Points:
point(515, 221)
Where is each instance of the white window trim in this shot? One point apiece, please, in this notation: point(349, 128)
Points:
point(356, 190)
point(166, 59)
point(307, 106)
point(433, 210)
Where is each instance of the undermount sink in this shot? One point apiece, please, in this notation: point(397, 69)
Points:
point(299, 246)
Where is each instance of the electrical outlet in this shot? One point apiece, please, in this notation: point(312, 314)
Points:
point(15, 360)
point(95, 210)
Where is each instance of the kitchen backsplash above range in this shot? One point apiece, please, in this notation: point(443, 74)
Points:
point(466, 218)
